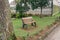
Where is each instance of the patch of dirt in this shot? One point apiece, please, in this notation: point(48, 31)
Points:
point(19, 38)
point(28, 29)
point(35, 37)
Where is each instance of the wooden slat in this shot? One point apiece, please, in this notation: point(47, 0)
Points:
point(28, 20)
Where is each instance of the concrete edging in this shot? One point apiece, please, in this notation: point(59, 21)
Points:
point(49, 31)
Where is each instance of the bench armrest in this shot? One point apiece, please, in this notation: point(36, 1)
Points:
point(33, 20)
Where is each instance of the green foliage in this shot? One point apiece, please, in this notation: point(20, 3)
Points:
point(22, 7)
point(13, 15)
point(38, 3)
point(12, 37)
point(19, 15)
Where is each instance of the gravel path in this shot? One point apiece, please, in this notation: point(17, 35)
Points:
point(54, 35)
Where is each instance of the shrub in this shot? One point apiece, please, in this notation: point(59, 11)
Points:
point(13, 15)
point(17, 15)
point(29, 14)
point(12, 37)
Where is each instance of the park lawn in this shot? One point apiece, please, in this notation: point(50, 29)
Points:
point(41, 23)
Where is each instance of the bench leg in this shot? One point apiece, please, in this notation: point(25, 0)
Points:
point(32, 24)
point(35, 24)
point(24, 25)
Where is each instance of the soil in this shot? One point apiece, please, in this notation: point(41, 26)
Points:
point(29, 29)
point(19, 38)
point(35, 37)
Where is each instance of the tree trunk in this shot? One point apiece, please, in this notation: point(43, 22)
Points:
point(52, 8)
point(6, 28)
point(41, 12)
point(21, 14)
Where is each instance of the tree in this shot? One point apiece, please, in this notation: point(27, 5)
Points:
point(34, 4)
point(38, 3)
point(22, 7)
point(6, 28)
point(52, 8)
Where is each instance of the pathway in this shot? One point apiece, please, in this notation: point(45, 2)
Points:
point(54, 35)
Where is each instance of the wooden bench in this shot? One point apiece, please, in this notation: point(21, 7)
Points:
point(28, 20)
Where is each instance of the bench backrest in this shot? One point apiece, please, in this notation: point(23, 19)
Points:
point(27, 19)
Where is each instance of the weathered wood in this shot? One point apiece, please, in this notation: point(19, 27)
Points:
point(6, 27)
point(28, 20)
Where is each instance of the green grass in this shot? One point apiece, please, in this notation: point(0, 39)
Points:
point(41, 23)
